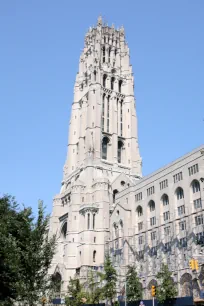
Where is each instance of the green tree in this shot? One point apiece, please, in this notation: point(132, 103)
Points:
point(167, 288)
point(134, 288)
point(94, 291)
point(76, 294)
point(25, 253)
point(110, 278)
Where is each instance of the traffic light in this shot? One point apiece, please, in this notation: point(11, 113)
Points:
point(153, 291)
point(196, 265)
point(192, 264)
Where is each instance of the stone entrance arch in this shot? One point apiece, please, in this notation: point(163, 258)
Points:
point(186, 285)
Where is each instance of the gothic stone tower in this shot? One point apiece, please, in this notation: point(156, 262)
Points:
point(103, 155)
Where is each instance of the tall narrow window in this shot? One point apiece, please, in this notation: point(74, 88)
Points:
point(108, 112)
point(104, 39)
point(104, 80)
point(119, 85)
point(109, 54)
point(121, 118)
point(120, 146)
point(115, 52)
point(94, 75)
point(105, 142)
point(117, 114)
point(112, 83)
point(103, 112)
point(94, 216)
point(88, 221)
point(104, 54)
point(94, 256)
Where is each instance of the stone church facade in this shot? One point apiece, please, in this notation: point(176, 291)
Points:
point(104, 205)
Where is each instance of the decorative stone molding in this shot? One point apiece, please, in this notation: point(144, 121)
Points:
point(84, 210)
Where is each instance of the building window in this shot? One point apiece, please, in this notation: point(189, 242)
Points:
point(82, 199)
point(121, 118)
point(153, 251)
point(139, 211)
point(150, 190)
point(88, 221)
point(64, 230)
point(193, 169)
point(120, 85)
point(140, 240)
point(94, 239)
point(153, 221)
point(141, 254)
point(200, 238)
point(104, 54)
point(103, 112)
point(166, 215)
point(109, 54)
point(138, 197)
point(94, 76)
point(115, 191)
point(94, 256)
point(181, 210)
point(153, 235)
point(183, 242)
point(94, 216)
point(178, 177)
point(167, 247)
point(108, 113)
point(179, 193)
point(197, 203)
point(105, 142)
point(199, 220)
point(104, 80)
point(182, 225)
point(165, 200)
point(140, 226)
point(112, 83)
point(163, 184)
point(167, 231)
point(151, 205)
point(120, 147)
point(195, 186)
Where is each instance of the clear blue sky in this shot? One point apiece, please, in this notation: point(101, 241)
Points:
point(40, 46)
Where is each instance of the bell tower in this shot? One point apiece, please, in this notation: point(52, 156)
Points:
point(103, 144)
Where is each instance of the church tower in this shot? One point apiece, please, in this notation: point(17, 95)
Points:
point(103, 155)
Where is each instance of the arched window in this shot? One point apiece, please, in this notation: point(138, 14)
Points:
point(104, 39)
point(64, 230)
point(165, 199)
point(112, 83)
point(103, 112)
point(139, 211)
point(120, 85)
point(120, 146)
point(88, 221)
point(105, 142)
point(94, 216)
point(121, 118)
point(108, 113)
point(151, 205)
point(104, 54)
point(179, 193)
point(104, 80)
point(94, 256)
point(195, 186)
point(109, 54)
point(56, 283)
point(94, 75)
point(115, 191)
